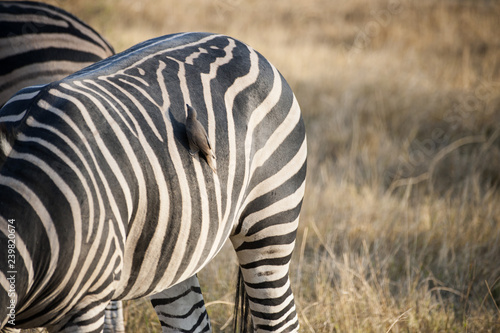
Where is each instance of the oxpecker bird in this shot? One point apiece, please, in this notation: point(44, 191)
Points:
point(198, 138)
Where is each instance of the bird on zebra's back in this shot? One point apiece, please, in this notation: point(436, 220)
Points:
point(198, 138)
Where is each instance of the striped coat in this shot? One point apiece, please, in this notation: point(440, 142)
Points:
point(40, 43)
point(109, 204)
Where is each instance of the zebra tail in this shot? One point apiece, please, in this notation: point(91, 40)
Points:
point(242, 318)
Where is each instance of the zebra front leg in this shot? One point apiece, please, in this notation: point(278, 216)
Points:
point(181, 308)
point(264, 251)
point(113, 322)
point(87, 317)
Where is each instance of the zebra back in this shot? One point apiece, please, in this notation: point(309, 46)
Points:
point(40, 43)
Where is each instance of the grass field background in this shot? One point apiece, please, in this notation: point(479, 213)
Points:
point(400, 227)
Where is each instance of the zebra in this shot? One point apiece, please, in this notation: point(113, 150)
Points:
point(97, 165)
point(40, 43)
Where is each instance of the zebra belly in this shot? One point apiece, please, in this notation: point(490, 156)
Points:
point(165, 259)
point(142, 281)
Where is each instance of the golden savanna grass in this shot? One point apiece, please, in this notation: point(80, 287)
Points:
point(400, 227)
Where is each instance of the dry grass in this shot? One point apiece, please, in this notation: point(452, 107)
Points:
point(400, 230)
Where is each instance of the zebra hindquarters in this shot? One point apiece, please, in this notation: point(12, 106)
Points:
point(181, 308)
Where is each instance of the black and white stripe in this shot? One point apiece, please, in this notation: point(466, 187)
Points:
point(98, 169)
point(40, 43)
point(181, 308)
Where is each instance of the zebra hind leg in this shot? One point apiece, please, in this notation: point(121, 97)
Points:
point(87, 317)
point(181, 308)
point(264, 240)
point(264, 265)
